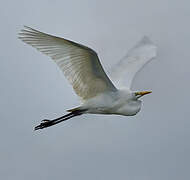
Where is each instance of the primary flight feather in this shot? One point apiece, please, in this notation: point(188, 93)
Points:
point(82, 67)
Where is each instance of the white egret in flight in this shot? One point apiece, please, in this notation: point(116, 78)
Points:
point(82, 67)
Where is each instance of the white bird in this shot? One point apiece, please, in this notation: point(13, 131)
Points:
point(82, 67)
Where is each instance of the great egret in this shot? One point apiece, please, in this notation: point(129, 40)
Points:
point(82, 68)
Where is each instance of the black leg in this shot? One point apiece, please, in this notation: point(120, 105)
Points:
point(46, 123)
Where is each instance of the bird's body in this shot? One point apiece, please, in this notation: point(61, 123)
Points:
point(82, 68)
point(121, 102)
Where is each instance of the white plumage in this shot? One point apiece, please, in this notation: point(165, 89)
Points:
point(79, 63)
point(123, 73)
point(82, 68)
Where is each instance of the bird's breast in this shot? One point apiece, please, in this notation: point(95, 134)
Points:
point(130, 108)
point(112, 105)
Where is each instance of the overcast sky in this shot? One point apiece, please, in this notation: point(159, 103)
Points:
point(152, 145)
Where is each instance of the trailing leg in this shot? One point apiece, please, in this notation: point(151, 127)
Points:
point(47, 123)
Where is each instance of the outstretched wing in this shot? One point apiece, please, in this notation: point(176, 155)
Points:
point(124, 72)
point(79, 63)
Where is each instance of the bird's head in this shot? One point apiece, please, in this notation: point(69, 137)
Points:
point(135, 104)
point(131, 104)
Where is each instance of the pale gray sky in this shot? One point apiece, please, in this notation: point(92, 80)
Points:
point(154, 144)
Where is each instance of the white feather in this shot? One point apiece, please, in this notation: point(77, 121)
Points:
point(79, 63)
point(123, 73)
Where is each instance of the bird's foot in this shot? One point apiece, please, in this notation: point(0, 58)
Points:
point(44, 123)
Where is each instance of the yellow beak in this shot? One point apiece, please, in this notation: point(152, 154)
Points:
point(142, 93)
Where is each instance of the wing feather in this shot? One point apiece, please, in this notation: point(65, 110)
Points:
point(124, 72)
point(80, 64)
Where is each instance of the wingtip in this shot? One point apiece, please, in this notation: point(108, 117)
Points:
point(146, 40)
point(22, 31)
point(145, 47)
point(28, 28)
point(25, 28)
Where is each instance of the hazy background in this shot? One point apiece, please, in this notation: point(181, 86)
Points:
point(152, 145)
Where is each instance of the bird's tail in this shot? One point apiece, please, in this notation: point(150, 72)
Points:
point(75, 109)
point(47, 123)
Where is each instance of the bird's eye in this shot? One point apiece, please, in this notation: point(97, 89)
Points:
point(136, 95)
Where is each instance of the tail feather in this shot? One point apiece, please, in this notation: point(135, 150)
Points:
point(74, 109)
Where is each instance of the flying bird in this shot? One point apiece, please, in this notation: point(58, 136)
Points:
point(82, 68)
